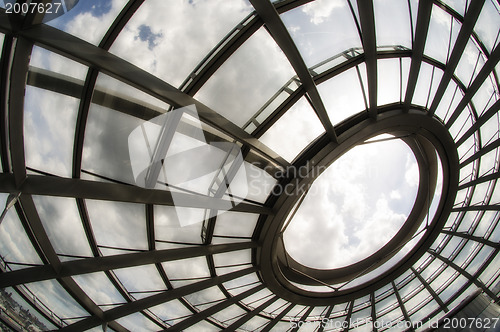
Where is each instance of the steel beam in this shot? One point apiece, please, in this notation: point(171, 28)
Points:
point(402, 306)
point(466, 274)
point(192, 320)
point(472, 237)
point(279, 32)
point(367, 21)
point(278, 318)
point(483, 74)
point(249, 315)
point(154, 300)
point(70, 46)
point(35, 224)
point(421, 30)
point(78, 188)
point(493, 110)
point(106, 263)
point(302, 319)
point(463, 37)
point(433, 293)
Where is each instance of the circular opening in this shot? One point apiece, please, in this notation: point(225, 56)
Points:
point(355, 206)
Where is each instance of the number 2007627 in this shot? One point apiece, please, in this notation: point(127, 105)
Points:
point(25, 8)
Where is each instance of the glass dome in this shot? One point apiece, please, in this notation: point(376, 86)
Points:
point(153, 153)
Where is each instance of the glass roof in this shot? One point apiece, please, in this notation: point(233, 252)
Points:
point(254, 165)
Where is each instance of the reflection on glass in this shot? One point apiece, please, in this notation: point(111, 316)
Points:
point(169, 38)
point(488, 25)
point(237, 92)
point(298, 127)
point(441, 35)
point(89, 20)
point(342, 95)
point(399, 13)
point(49, 131)
point(118, 225)
point(322, 29)
point(64, 228)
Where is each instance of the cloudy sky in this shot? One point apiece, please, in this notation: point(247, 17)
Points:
point(353, 209)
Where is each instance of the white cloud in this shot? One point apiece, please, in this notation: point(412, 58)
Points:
point(321, 10)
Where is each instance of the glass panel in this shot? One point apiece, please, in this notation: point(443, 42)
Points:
point(13, 303)
point(298, 127)
point(229, 315)
point(205, 298)
point(100, 289)
point(63, 225)
point(232, 258)
point(139, 279)
point(460, 6)
point(106, 151)
point(438, 44)
point(171, 312)
point(55, 297)
point(15, 246)
point(399, 13)
point(203, 326)
point(168, 228)
point(322, 29)
point(182, 32)
point(485, 96)
point(117, 224)
point(236, 224)
point(42, 58)
point(488, 25)
point(192, 268)
point(449, 102)
point(470, 63)
point(255, 324)
point(237, 92)
point(49, 131)
point(388, 81)
point(427, 84)
point(88, 20)
point(342, 96)
point(241, 284)
point(137, 322)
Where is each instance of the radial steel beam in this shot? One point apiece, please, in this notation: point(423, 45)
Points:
point(480, 122)
point(488, 148)
point(477, 208)
point(324, 324)
point(466, 274)
point(472, 237)
point(192, 320)
point(18, 74)
point(482, 179)
point(402, 306)
point(279, 32)
point(153, 300)
point(78, 188)
point(487, 68)
point(302, 319)
point(463, 37)
point(249, 315)
point(106, 263)
point(433, 293)
point(367, 21)
point(35, 224)
point(68, 45)
point(421, 30)
point(278, 318)
point(87, 92)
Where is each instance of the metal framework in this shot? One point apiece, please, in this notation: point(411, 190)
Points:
point(267, 289)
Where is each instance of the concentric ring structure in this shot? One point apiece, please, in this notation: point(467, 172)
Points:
point(287, 85)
